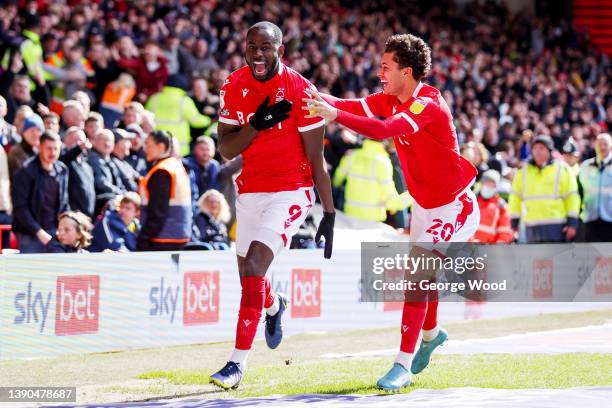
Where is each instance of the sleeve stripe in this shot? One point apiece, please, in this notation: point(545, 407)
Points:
point(411, 121)
point(366, 108)
point(229, 121)
point(313, 126)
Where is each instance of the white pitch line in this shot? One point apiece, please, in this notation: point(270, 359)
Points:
point(588, 339)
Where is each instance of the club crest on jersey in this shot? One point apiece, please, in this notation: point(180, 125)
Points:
point(280, 94)
point(417, 106)
point(245, 91)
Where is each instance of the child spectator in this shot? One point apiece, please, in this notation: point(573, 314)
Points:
point(73, 233)
point(119, 228)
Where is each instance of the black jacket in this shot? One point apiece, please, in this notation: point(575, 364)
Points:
point(107, 179)
point(157, 208)
point(207, 229)
point(81, 191)
point(129, 176)
point(28, 193)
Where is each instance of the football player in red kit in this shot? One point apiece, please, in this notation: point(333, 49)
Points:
point(418, 119)
point(282, 150)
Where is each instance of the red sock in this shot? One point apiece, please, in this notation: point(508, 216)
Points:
point(412, 321)
point(269, 294)
point(431, 317)
point(251, 305)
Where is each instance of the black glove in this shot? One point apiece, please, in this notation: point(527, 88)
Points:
point(266, 116)
point(326, 230)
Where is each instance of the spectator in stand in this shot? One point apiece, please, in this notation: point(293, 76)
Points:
point(175, 111)
point(81, 188)
point(571, 156)
point(73, 234)
point(204, 104)
point(22, 113)
point(150, 70)
point(73, 114)
point(136, 158)
point(6, 205)
point(209, 225)
point(107, 179)
point(205, 167)
point(40, 193)
point(8, 132)
point(118, 229)
point(148, 122)
point(494, 225)
point(548, 192)
point(132, 115)
point(33, 128)
point(201, 62)
point(18, 94)
point(93, 125)
point(166, 213)
point(123, 142)
point(84, 98)
point(596, 185)
point(117, 95)
point(51, 121)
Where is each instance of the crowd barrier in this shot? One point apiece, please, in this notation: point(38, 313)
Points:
point(57, 304)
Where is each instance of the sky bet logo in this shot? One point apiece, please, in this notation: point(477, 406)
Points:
point(200, 298)
point(76, 305)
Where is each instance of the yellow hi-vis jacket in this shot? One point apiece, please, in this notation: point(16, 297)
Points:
point(174, 111)
point(545, 197)
point(369, 190)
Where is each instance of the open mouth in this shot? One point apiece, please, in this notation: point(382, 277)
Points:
point(259, 68)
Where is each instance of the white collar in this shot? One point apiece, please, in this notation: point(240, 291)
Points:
point(280, 67)
point(417, 90)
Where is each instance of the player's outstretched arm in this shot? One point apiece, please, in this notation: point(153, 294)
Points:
point(354, 106)
point(234, 139)
point(313, 147)
point(371, 128)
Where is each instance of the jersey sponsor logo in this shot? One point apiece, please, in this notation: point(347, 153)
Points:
point(417, 106)
point(245, 91)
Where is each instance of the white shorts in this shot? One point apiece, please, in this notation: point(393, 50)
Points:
point(454, 222)
point(271, 218)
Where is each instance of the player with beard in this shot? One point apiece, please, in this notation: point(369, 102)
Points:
point(282, 153)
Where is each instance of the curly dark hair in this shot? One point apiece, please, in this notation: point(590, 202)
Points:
point(410, 51)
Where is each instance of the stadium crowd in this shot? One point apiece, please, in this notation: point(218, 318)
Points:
point(84, 85)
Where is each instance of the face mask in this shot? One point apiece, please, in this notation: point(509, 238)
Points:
point(152, 66)
point(487, 192)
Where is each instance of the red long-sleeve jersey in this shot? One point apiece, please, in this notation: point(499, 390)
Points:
point(424, 135)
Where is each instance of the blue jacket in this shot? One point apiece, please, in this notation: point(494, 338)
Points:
point(27, 193)
point(206, 177)
point(111, 233)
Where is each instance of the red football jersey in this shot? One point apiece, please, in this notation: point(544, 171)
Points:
point(425, 139)
point(275, 159)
